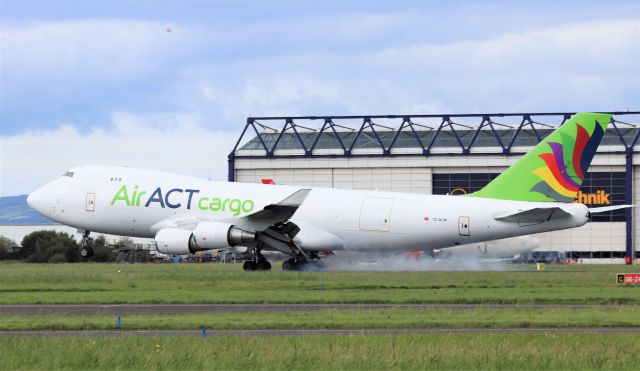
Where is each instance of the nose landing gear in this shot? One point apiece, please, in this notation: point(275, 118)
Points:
point(85, 245)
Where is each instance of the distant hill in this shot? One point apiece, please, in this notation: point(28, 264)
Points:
point(14, 210)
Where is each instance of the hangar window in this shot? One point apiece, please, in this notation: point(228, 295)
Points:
point(595, 254)
point(460, 183)
point(604, 189)
point(69, 174)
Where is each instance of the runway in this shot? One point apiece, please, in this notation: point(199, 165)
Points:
point(318, 332)
point(128, 309)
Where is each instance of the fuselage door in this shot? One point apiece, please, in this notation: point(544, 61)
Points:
point(463, 226)
point(375, 214)
point(90, 202)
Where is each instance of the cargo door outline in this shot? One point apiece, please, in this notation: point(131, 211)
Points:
point(463, 226)
point(375, 214)
point(90, 202)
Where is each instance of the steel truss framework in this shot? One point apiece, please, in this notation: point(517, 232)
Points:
point(348, 135)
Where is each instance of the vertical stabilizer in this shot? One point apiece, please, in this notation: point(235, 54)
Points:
point(555, 168)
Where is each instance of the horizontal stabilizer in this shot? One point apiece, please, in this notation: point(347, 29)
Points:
point(595, 210)
point(532, 216)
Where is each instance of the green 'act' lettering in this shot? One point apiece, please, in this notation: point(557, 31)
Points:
point(121, 195)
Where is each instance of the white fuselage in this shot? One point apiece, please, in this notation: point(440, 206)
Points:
point(93, 199)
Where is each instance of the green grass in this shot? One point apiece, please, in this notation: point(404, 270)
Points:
point(214, 283)
point(623, 316)
point(209, 283)
point(439, 351)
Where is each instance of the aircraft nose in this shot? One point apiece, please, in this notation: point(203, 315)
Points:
point(37, 200)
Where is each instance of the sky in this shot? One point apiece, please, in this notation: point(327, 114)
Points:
point(168, 84)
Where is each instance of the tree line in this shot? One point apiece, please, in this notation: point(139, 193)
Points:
point(53, 247)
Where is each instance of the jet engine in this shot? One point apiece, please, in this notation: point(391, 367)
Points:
point(174, 241)
point(213, 235)
point(206, 236)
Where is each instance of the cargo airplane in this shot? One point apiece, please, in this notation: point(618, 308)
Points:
point(185, 214)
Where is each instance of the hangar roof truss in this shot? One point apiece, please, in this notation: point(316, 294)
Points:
point(384, 135)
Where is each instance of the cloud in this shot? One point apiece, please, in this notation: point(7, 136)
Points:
point(93, 50)
point(81, 70)
point(565, 67)
point(436, 60)
point(133, 94)
point(174, 142)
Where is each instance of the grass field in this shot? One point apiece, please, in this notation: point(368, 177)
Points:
point(209, 283)
point(440, 351)
point(342, 319)
point(214, 283)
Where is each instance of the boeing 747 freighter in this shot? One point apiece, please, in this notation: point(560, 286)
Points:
point(185, 214)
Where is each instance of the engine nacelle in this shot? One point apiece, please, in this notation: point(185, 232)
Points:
point(215, 235)
point(174, 241)
point(206, 236)
point(313, 238)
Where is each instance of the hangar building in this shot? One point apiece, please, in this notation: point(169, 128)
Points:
point(447, 154)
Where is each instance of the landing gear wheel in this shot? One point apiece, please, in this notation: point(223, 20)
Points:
point(264, 265)
point(316, 264)
point(292, 265)
point(86, 252)
point(85, 246)
point(287, 265)
point(250, 266)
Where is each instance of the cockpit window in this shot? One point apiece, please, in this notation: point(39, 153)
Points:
point(69, 174)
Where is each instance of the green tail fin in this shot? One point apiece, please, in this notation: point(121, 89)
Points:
point(555, 168)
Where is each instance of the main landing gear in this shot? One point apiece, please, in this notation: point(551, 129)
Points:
point(292, 265)
point(262, 264)
point(299, 264)
point(85, 245)
point(258, 263)
point(279, 237)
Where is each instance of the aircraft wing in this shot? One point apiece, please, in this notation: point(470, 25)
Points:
point(274, 231)
point(261, 219)
point(535, 215)
point(274, 213)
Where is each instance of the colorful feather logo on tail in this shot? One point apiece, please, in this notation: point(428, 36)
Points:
point(561, 177)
